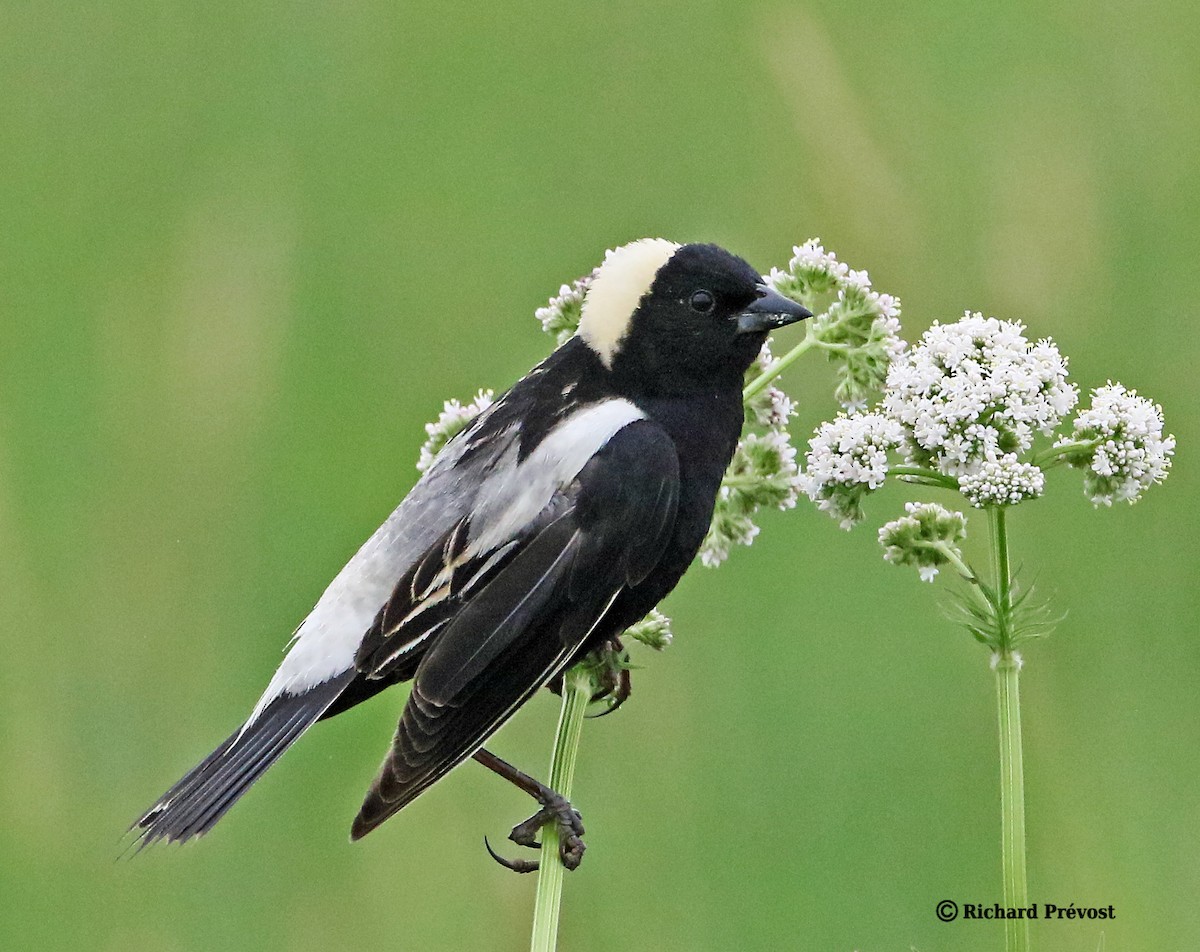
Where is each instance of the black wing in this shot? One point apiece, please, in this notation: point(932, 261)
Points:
point(516, 619)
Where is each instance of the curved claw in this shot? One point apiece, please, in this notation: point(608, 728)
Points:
point(619, 694)
point(570, 852)
point(516, 865)
point(569, 826)
point(612, 706)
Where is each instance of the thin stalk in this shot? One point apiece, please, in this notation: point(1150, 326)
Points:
point(1054, 454)
point(930, 477)
point(779, 365)
point(1012, 801)
point(578, 687)
point(954, 559)
point(1012, 772)
point(1000, 563)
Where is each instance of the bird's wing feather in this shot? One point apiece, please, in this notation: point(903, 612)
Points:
point(515, 631)
point(327, 640)
point(520, 493)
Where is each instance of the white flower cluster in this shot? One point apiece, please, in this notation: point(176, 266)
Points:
point(966, 402)
point(452, 420)
point(560, 316)
point(977, 391)
point(763, 472)
point(964, 406)
point(1118, 441)
point(927, 536)
point(1002, 482)
point(847, 458)
point(860, 331)
point(654, 630)
point(812, 271)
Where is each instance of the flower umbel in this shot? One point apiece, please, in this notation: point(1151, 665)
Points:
point(1002, 482)
point(1118, 441)
point(927, 536)
point(560, 316)
point(654, 630)
point(813, 271)
point(975, 391)
point(859, 332)
point(847, 458)
point(452, 420)
point(763, 473)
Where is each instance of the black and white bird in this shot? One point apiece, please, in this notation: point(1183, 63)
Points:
point(560, 516)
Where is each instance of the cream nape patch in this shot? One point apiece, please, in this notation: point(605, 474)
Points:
point(620, 283)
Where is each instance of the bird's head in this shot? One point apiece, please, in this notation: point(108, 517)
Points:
point(679, 317)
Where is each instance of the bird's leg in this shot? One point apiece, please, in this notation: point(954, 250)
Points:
point(555, 809)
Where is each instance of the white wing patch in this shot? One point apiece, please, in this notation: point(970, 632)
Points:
point(615, 291)
point(326, 641)
point(508, 500)
point(515, 493)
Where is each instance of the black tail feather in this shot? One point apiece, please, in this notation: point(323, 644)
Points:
point(206, 792)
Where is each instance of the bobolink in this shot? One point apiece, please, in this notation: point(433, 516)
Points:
point(560, 516)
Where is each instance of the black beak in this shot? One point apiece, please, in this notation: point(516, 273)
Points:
point(769, 311)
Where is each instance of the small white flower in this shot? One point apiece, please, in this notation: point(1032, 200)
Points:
point(653, 630)
point(1130, 452)
point(729, 527)
point(926, 536)
point(763, 473)
point(847, 458)
point(770, 407)
point(560, 316)
point(975, 391)
point(452, 420)
point(860, 331)
point(812, 270)
point(1005, 481)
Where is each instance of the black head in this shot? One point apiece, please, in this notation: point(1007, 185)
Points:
point(670, 318)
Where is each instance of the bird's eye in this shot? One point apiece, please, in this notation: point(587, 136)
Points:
point(702, 302)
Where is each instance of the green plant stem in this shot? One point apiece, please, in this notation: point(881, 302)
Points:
point(779, 365)
point(1012, 801)
point(577, 691)
point(930, 477)
point(1055, 454)
point(1000, 564)
point(959, 565)
point(1012, 773)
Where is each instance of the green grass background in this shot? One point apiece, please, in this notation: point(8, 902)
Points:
point(246, 251)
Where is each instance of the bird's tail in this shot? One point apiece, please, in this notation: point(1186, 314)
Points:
point(202, 796)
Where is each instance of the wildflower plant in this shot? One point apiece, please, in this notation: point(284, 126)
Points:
point(975, 408)
point(978, 409)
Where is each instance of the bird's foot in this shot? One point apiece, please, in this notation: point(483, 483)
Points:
point(610, 667)
point(614, 691)
point(555, 809)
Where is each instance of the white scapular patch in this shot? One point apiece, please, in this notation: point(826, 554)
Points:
point(506, 501)
point(326, 641)
point(515, 493)
point(621, 282)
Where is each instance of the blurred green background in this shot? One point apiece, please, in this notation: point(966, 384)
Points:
point(248, 249)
